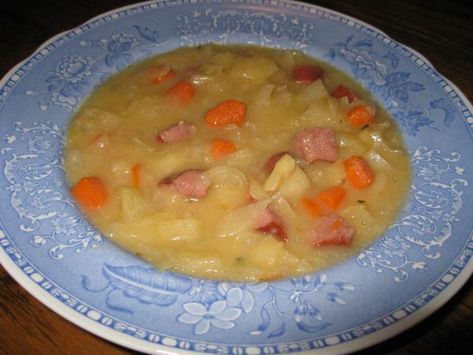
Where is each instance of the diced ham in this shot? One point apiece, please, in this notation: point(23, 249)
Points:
point(342, 91)
point(190, 184)
point(274, 229)
point(264, 218)
point(331, 230)
point(176, 132)
point(271, 162)
point(305, 74)
point(316, 144)
point(269, 223)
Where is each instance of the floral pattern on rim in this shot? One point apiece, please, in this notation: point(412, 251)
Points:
point(269, 29)
point(437, 199)
point(453, 105)
point(37, 191)
point(380, 73)
point(72, 79)
point(75, 75)
point(209, 305)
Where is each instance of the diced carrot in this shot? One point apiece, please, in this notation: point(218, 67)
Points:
point(325, 202)
point(360, 116)
point(229, 111)
point(342, 91)
point(332, 197)
point(222, 147)
point(305, 74)
point(159, 74)
point(136, 175)
point(182, 91)
point(358, 172)
point(90, 192)
point(311, 206)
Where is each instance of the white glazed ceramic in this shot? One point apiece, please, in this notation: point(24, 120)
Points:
point(52, 251)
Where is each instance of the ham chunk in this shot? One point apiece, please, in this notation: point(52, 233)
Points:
point(306, 74)
point(342, 91)
point(176, 132)
point(269, 223)
point(316, 144)
point(331, 230)
point(191, 184)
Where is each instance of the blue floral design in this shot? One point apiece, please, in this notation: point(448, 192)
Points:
point(118, 48)
point(285, 309)
point(148, 34)
point(412, 119)
point(436, 201)
point(207, 305)
point(397, 87)
point(211, 297)
point(65, 224)
point(376, 70)
point(72, 79)
point(248, 290)
point(379, 73)
point(142, 284)
point(218, 314)
point(75, 75)
point(306, 315)
point(225, 24)
point(36, 187)
point(446, 108)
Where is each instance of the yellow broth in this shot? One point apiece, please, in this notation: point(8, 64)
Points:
point(215, 236)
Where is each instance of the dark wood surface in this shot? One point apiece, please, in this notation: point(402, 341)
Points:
point(440, 30)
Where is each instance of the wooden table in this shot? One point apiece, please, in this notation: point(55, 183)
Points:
point(441, 30)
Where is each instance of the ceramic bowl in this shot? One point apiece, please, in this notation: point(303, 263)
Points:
point(52, 251)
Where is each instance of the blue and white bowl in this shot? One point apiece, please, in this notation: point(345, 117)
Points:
point(52, 251)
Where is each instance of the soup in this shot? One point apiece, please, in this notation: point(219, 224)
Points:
point(236, 163)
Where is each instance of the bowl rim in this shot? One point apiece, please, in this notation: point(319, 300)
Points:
point(134, 343)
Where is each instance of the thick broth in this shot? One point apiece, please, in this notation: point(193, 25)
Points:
point(117, 138)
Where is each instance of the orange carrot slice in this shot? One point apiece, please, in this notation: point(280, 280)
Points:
point(222, 147)
point(136, 175)
point(311, 206)
point(182, 91)
point(332, 197)
point(325, 202)
point(358, 172)
point(229, 111)
point(90, 192)
point(360, 116)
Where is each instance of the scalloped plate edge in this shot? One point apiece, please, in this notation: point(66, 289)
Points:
point(134, 343)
